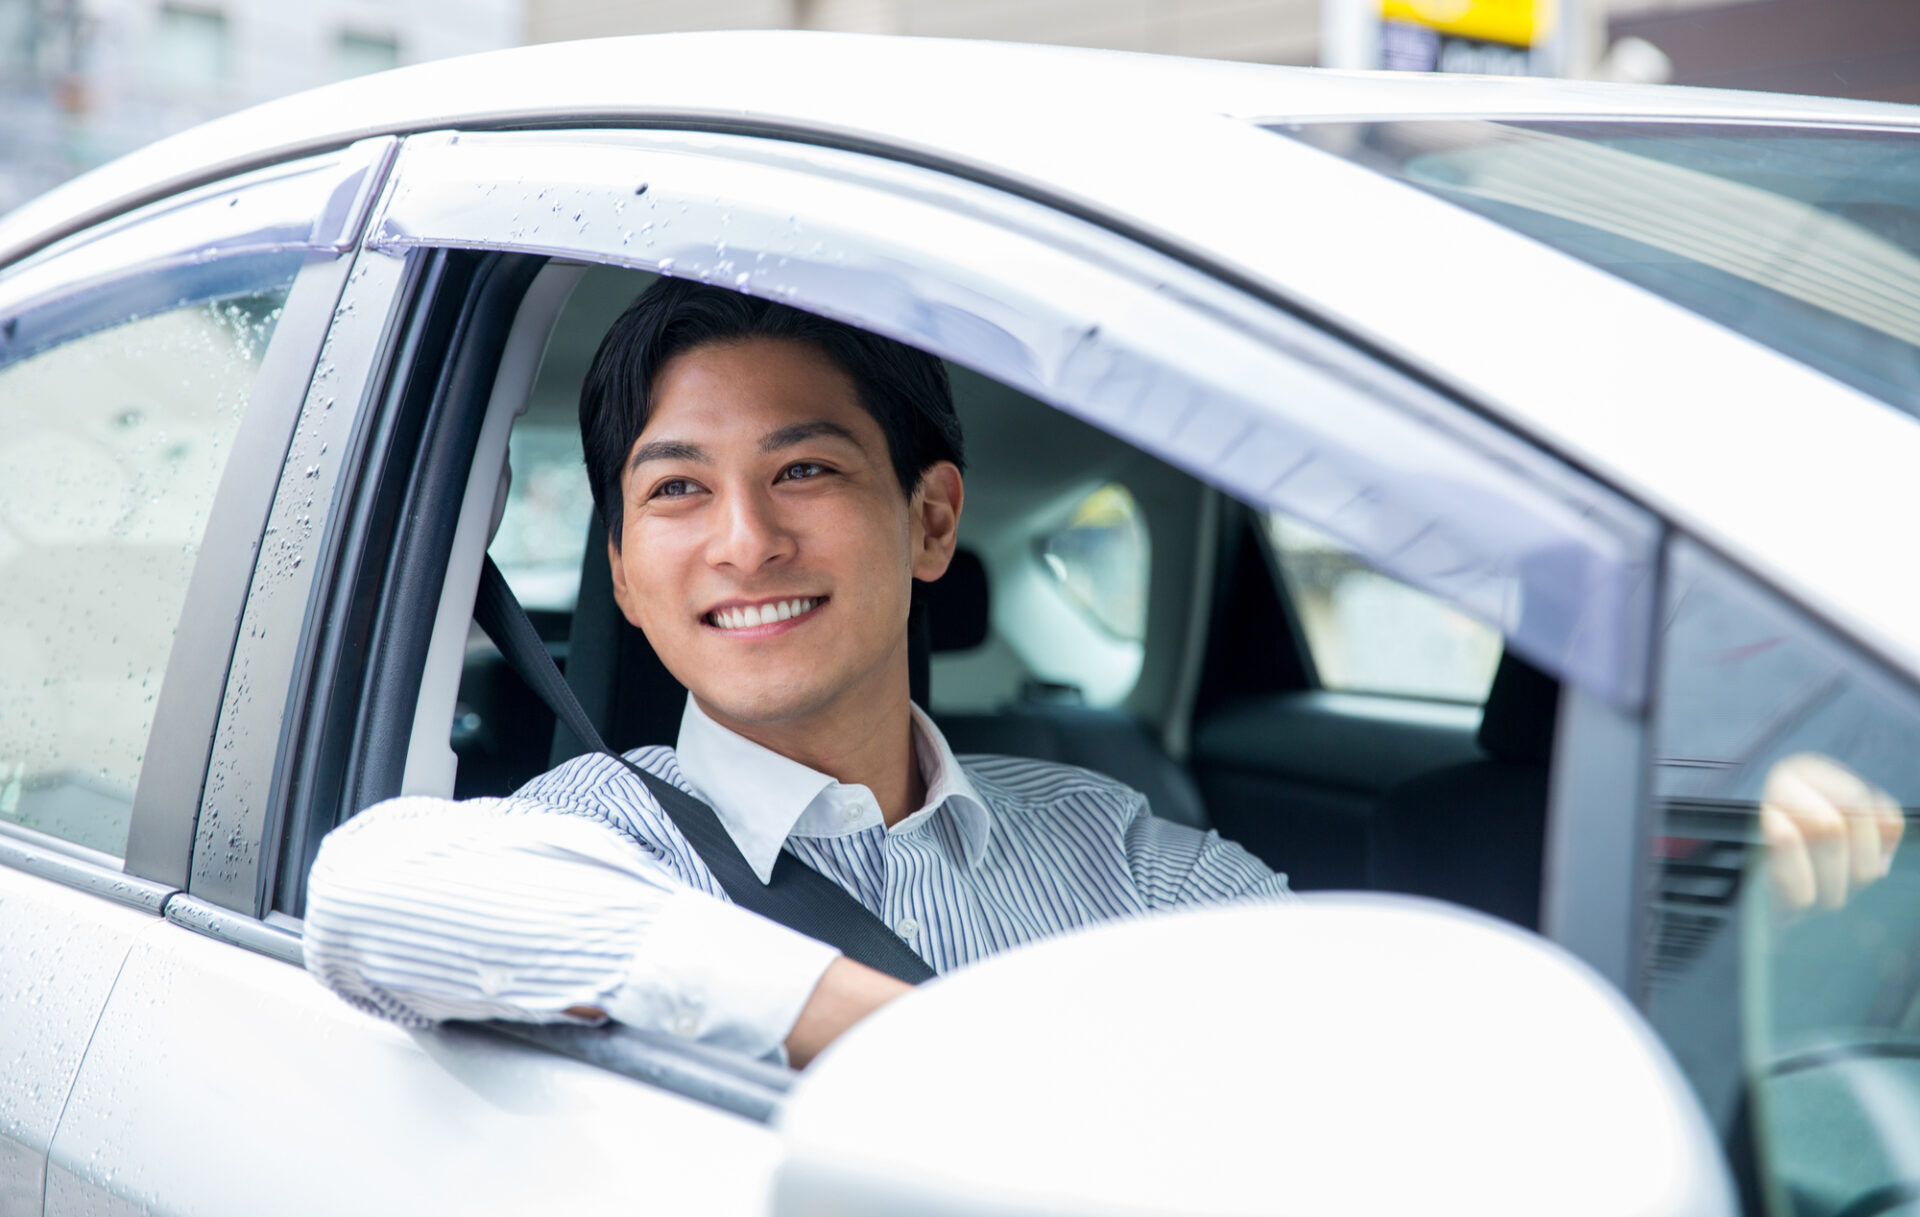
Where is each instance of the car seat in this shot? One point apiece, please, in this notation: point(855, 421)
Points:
point(634, 700)
point(1475, 833)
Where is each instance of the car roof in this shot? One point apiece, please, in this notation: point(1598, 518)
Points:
point(945, 99)
point(1141, 143)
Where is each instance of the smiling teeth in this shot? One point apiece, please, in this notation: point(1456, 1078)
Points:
point(764, 614)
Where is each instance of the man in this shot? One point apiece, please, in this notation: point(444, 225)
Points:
point(772, 483)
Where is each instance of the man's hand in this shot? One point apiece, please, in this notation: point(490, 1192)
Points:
point(847, 993)
point(1828, 833)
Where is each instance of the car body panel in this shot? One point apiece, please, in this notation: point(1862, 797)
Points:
point(60, 953)
point(223, 1081)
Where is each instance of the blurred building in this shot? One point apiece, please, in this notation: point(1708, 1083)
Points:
point(1841, 48)
point(1845, 48)
point(82, 81)
point(1269, 31)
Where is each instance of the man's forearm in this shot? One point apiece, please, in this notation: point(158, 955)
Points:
point(422, 910)
point(847, 993)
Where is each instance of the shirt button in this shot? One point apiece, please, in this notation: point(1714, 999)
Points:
point(686, 1023)
point(851, 812)
point(907, 926)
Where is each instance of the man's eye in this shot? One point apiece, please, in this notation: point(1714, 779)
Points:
point(672, 488)
point(800, 471)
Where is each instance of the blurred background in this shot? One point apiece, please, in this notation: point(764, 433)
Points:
point(82, 81)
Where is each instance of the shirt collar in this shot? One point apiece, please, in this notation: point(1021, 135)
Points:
point(761, 796)
point(948, 784)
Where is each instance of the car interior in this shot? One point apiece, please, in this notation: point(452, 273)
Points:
point(1106, 610)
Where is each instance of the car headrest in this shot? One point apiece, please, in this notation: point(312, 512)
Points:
point(1517, 724)
point(626, 691)
point(949, 614)
point(957, 604)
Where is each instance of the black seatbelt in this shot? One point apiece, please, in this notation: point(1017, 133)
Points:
point(798, 896)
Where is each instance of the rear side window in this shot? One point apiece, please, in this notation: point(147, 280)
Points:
point(111, 447)
point(1784, 968)
point(1371, 633)
point(1100, 559)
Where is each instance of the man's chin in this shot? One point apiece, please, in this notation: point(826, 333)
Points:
point(761, 706)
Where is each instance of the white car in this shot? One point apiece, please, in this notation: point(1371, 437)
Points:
point(1296, 401)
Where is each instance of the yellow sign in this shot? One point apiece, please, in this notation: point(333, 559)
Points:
point(1514, 22)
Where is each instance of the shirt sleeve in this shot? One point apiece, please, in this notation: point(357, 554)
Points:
point(422, 909)
point(1177, 866)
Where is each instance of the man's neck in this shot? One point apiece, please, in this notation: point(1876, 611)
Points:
point(856, 741)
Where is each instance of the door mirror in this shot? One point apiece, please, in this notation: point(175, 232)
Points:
point(1350, 1054)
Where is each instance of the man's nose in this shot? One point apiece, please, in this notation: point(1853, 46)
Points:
point(748, 532)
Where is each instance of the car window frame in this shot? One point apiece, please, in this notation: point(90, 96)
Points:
point(313, 209)
point(266, 696)
point(561, 223)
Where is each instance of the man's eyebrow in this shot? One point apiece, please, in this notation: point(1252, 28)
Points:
point(668, 450)
point(800, 433)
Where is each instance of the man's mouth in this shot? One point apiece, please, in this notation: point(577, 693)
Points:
point(748, 616)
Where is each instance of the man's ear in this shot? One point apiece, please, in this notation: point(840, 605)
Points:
point(935, 511)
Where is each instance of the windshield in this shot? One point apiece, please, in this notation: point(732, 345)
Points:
point(1807, 240)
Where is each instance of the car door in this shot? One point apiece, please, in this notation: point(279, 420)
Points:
point(218, 1076)
point(149, 370)
point(144, 374)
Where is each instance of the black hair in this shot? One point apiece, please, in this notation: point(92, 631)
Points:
point(905, 390)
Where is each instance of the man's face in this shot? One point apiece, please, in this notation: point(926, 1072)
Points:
point(767, 548)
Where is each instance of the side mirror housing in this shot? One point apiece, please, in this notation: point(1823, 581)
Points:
point(1348, 1055)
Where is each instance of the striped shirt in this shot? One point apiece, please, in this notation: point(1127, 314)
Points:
point(578, 890)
